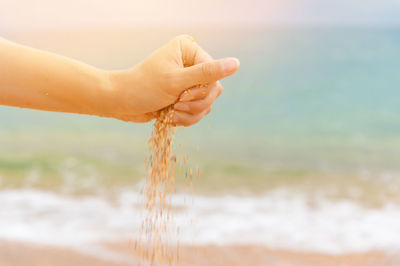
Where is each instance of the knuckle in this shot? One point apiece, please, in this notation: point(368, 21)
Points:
point(183, 38)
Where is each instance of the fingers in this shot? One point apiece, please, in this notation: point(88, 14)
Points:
point(186, 119)
point(197, 93)
point(188, 113)
point(199, 67)
point(207, 72)
point(198, 106)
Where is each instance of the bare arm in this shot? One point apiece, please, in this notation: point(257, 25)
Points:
point(31, 78)
point(35, 79)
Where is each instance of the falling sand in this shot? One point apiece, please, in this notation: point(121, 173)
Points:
point(159, 243)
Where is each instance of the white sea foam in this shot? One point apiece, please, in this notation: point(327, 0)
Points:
point(275, 220)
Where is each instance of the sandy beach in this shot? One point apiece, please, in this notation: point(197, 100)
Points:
point(22, 254)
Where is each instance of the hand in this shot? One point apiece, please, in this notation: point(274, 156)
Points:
point(179, 71)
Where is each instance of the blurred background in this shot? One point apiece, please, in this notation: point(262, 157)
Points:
point(301, 154)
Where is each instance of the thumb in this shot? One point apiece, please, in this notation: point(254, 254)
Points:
point(208, 72)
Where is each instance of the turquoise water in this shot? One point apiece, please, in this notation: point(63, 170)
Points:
point(321, 82)
point(307, 98)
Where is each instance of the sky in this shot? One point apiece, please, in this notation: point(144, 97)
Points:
point(39, 14)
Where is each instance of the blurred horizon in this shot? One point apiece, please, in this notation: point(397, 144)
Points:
point(46, 14)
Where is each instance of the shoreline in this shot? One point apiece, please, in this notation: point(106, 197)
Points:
point(24, 254)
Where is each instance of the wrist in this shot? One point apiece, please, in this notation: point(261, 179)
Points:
point(120, 92)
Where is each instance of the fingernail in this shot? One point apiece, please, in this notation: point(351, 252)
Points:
point(229, 65)
point(181, 106)
point(186, 97)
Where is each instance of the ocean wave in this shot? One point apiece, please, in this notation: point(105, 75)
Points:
point(277, 220)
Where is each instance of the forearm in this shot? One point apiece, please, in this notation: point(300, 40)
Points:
point(35, 79)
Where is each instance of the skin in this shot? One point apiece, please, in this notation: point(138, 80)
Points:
point(180, 73)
